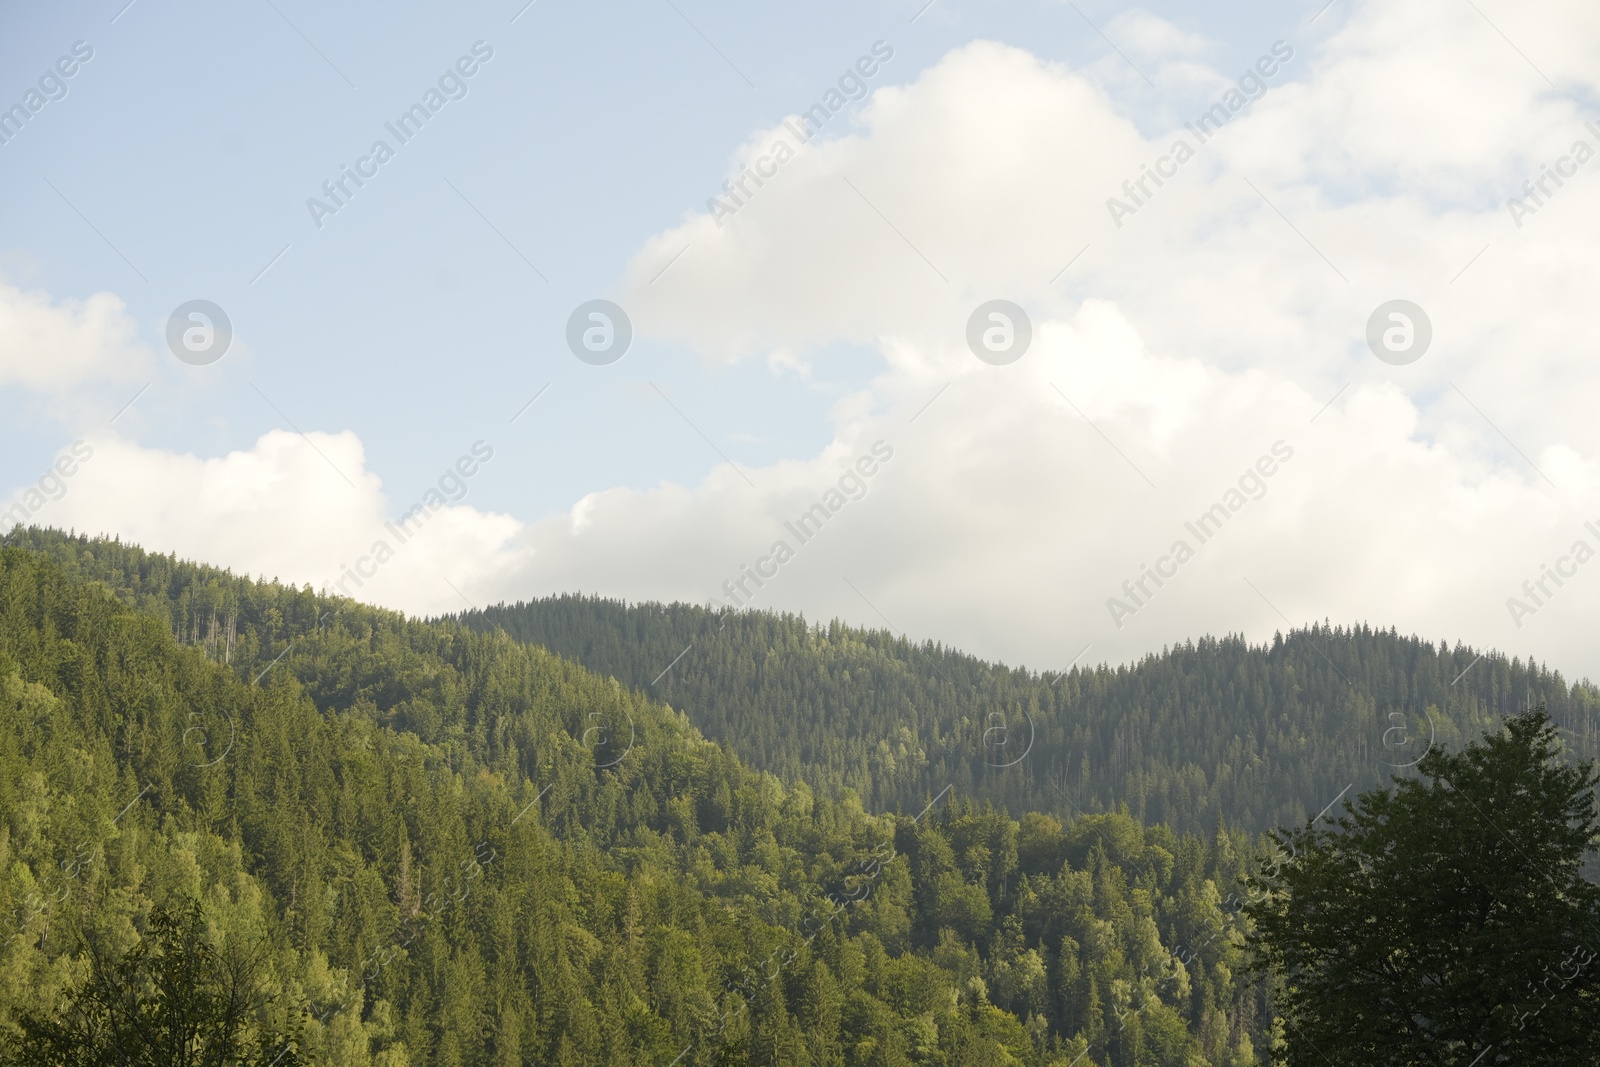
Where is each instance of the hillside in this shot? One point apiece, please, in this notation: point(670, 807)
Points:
point(460, 849)
point(1217, 730)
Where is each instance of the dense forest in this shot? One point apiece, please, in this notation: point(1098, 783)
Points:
point(454, 847)
point(1215, 731)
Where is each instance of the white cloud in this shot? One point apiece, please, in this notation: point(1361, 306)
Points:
point(1180, 349)
point(1211, 323)
point(1153, 37)
point(54, 348)
point(1006, 521)
point(991, 168)
point(301, 509)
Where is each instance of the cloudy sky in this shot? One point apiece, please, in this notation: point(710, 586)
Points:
point(1215, 340)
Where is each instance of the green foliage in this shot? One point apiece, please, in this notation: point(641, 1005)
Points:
point(1446, 922)
point(454, 848)
point(174, 999)
point(1209, 731)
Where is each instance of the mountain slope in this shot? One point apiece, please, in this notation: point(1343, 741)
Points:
point(459, 849)
point(1218, 729)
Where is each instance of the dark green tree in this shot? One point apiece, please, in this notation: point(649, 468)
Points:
point(174, 1000)
point(1446, 921)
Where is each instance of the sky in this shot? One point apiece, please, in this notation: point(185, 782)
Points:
point(1057, 332)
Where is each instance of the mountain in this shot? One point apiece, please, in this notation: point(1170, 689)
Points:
point(1217, 730)
point(450, 847)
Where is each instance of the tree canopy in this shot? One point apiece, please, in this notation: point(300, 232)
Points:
point(459, 849)
point(1214, 730)
point(453, 847)
point(175, 999)
point(1445, 921)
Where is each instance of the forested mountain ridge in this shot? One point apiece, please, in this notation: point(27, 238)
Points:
point(1215, 730)
point(460, 849)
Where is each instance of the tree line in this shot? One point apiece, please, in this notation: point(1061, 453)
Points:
point(244, 823)
point(1217, 730)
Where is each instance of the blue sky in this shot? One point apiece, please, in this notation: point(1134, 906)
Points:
point(1172, 347)
point(194, 137)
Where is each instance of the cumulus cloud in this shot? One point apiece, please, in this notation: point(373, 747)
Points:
point(1214, 332)
point(1017, 506)
point(1216, 318)
point(986, 172)
point(301, 509)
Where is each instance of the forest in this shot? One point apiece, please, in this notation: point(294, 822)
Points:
point(1217, 731)
point(469, 841)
